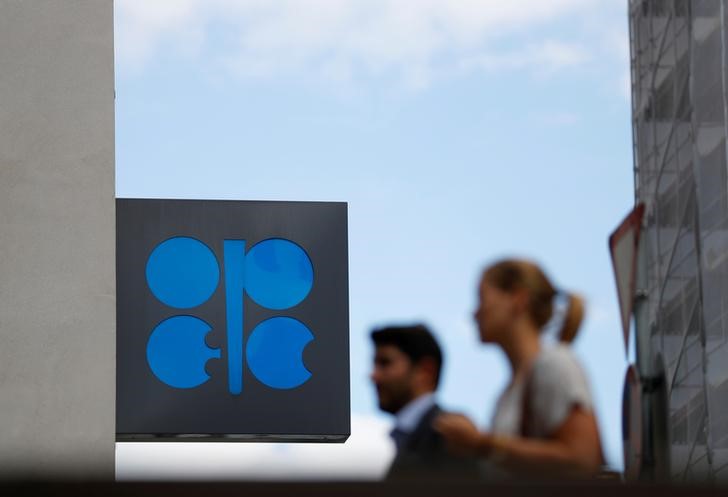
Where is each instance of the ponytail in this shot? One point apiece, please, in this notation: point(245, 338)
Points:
point(572, 318)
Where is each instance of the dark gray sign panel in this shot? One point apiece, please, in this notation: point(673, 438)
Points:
point(232, 320)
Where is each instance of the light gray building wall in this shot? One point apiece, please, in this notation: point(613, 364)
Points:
point(57, 230)
point(679, 96)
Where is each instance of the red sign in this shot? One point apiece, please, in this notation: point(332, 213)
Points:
point(623, 245)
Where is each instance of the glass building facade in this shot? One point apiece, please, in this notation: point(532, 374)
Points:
point(679, 93)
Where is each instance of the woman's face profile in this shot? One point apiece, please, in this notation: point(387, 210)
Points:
point(494, 312)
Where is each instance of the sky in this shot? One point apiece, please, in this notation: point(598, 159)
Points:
point(458, 132)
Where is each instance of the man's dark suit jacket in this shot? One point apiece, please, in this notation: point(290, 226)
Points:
point(423, 454)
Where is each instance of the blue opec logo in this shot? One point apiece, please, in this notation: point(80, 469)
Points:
point(184, 273)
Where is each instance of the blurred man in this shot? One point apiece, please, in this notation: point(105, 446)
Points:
point(406, 373)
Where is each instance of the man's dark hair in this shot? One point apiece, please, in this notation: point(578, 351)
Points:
point(416, 342)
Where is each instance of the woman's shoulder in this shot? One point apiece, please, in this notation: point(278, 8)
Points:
point(558, 383)
point(557, 371)
point(558, 358)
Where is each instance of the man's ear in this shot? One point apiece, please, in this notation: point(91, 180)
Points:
point(427, 368)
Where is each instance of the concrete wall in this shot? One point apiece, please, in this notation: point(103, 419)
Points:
point(57, 289)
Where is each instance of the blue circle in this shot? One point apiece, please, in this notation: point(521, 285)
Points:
point(278, 274)
point(275, 352)
point(182, 272)
point(177, 352)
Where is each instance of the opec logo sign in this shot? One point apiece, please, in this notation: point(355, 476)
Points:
point(231, 316)
point(183, 273)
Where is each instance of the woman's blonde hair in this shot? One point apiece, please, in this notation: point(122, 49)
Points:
point(510, 275)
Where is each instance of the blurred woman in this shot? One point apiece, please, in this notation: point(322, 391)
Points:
point(544, 423)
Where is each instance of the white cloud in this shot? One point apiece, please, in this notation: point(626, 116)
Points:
point(615, 47)
point(140, 26)
point(416, 40)
point(365, 456)
point(546, 57)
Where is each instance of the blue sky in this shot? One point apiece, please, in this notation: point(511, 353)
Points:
point(457, 132)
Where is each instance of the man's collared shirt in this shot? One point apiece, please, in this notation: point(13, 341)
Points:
point(409, 416)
